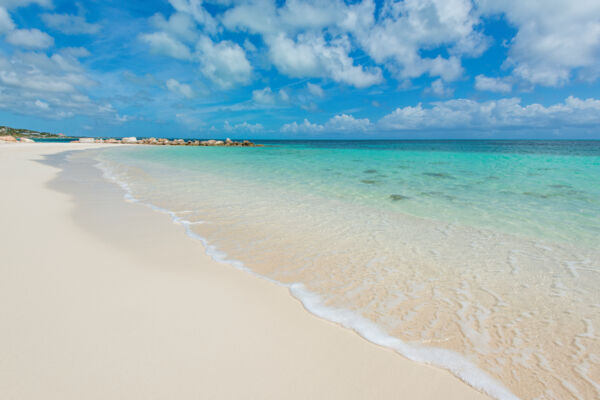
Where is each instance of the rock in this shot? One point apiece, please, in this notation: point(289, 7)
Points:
point(8, 139)
point(26, 140)
point(131, 139)
point(86, 140)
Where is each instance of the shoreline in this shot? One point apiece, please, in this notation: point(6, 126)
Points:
point(175, 322)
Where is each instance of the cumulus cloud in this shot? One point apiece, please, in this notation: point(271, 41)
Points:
point(22, 3)
point(267, 96)
point(263, 96)
point(463, 114)
point(404, 28)
point(70, 24)
point(312, 56)
point(29, 38)
point(305, 127)
point(52, 86)
point(243, 127)
point(225, 62)
point(504, 113)
point(440, 89)
point(164, 44)
point(315, 89)
point(180, 88)
point(197, 12)
point(179, 25)
point(485, 83)
point(6, 22)
point(338, 123)
point(553, 39)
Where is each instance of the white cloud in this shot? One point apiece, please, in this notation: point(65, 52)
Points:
point(263, 96)
point(244, 126)
point(504, 113)
point(180, 88)
point(268, 97)
point(162, 43)
point(179, 25)
point(41, 104)
point(22, 3)
point(33, 83)
point(30, 38)
point(439, 88)
point(315, 90)
point(485, 83)
point(404, 28)
point(312, 56)
point(295, 31)
point(347, 123)
point(338, 123)
point(463, 114)
point(70, 24)
point(553, 39)
point(305, 127)
point(195, 10)
point(6, 22)
point(225, 62)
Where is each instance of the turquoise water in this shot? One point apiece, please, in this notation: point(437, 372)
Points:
point(486, 249)
point(550, 189)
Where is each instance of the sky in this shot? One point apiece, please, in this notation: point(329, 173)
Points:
point(302, 69)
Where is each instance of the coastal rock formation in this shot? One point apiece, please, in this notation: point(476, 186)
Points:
point(164, 141)
point(26, 140)
point(8, 139)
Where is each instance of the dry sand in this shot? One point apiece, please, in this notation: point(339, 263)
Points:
point(104, 299)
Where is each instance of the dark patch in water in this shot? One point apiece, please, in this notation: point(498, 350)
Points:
point(398, 197)
point(492, 178)
point(538, 195)
point(438, 194)
point(369, 181)
point(560, 186)
point(370, 171)
point(357, 160)
point(403, 166)
point(439, 175)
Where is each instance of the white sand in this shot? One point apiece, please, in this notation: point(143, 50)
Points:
point(103, 299)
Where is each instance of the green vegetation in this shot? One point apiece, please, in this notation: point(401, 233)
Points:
point(17, 132)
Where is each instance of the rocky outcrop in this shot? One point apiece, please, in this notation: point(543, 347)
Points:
point(26, 140)
point(167, 142)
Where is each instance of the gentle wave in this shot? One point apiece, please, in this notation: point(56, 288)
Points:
point(312, 302)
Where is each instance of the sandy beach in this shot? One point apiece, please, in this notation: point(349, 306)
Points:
point(105, 299)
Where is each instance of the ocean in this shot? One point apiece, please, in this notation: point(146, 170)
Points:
point(481, 257)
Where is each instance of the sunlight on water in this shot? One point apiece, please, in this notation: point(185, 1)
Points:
point(487, 249)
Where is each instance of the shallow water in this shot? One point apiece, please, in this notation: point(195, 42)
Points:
point(485, 249)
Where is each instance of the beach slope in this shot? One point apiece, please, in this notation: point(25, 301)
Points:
point(104, 299)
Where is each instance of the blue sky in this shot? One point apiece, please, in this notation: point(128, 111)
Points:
point(302, 68)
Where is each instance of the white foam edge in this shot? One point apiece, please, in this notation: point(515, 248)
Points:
point(449, 360)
